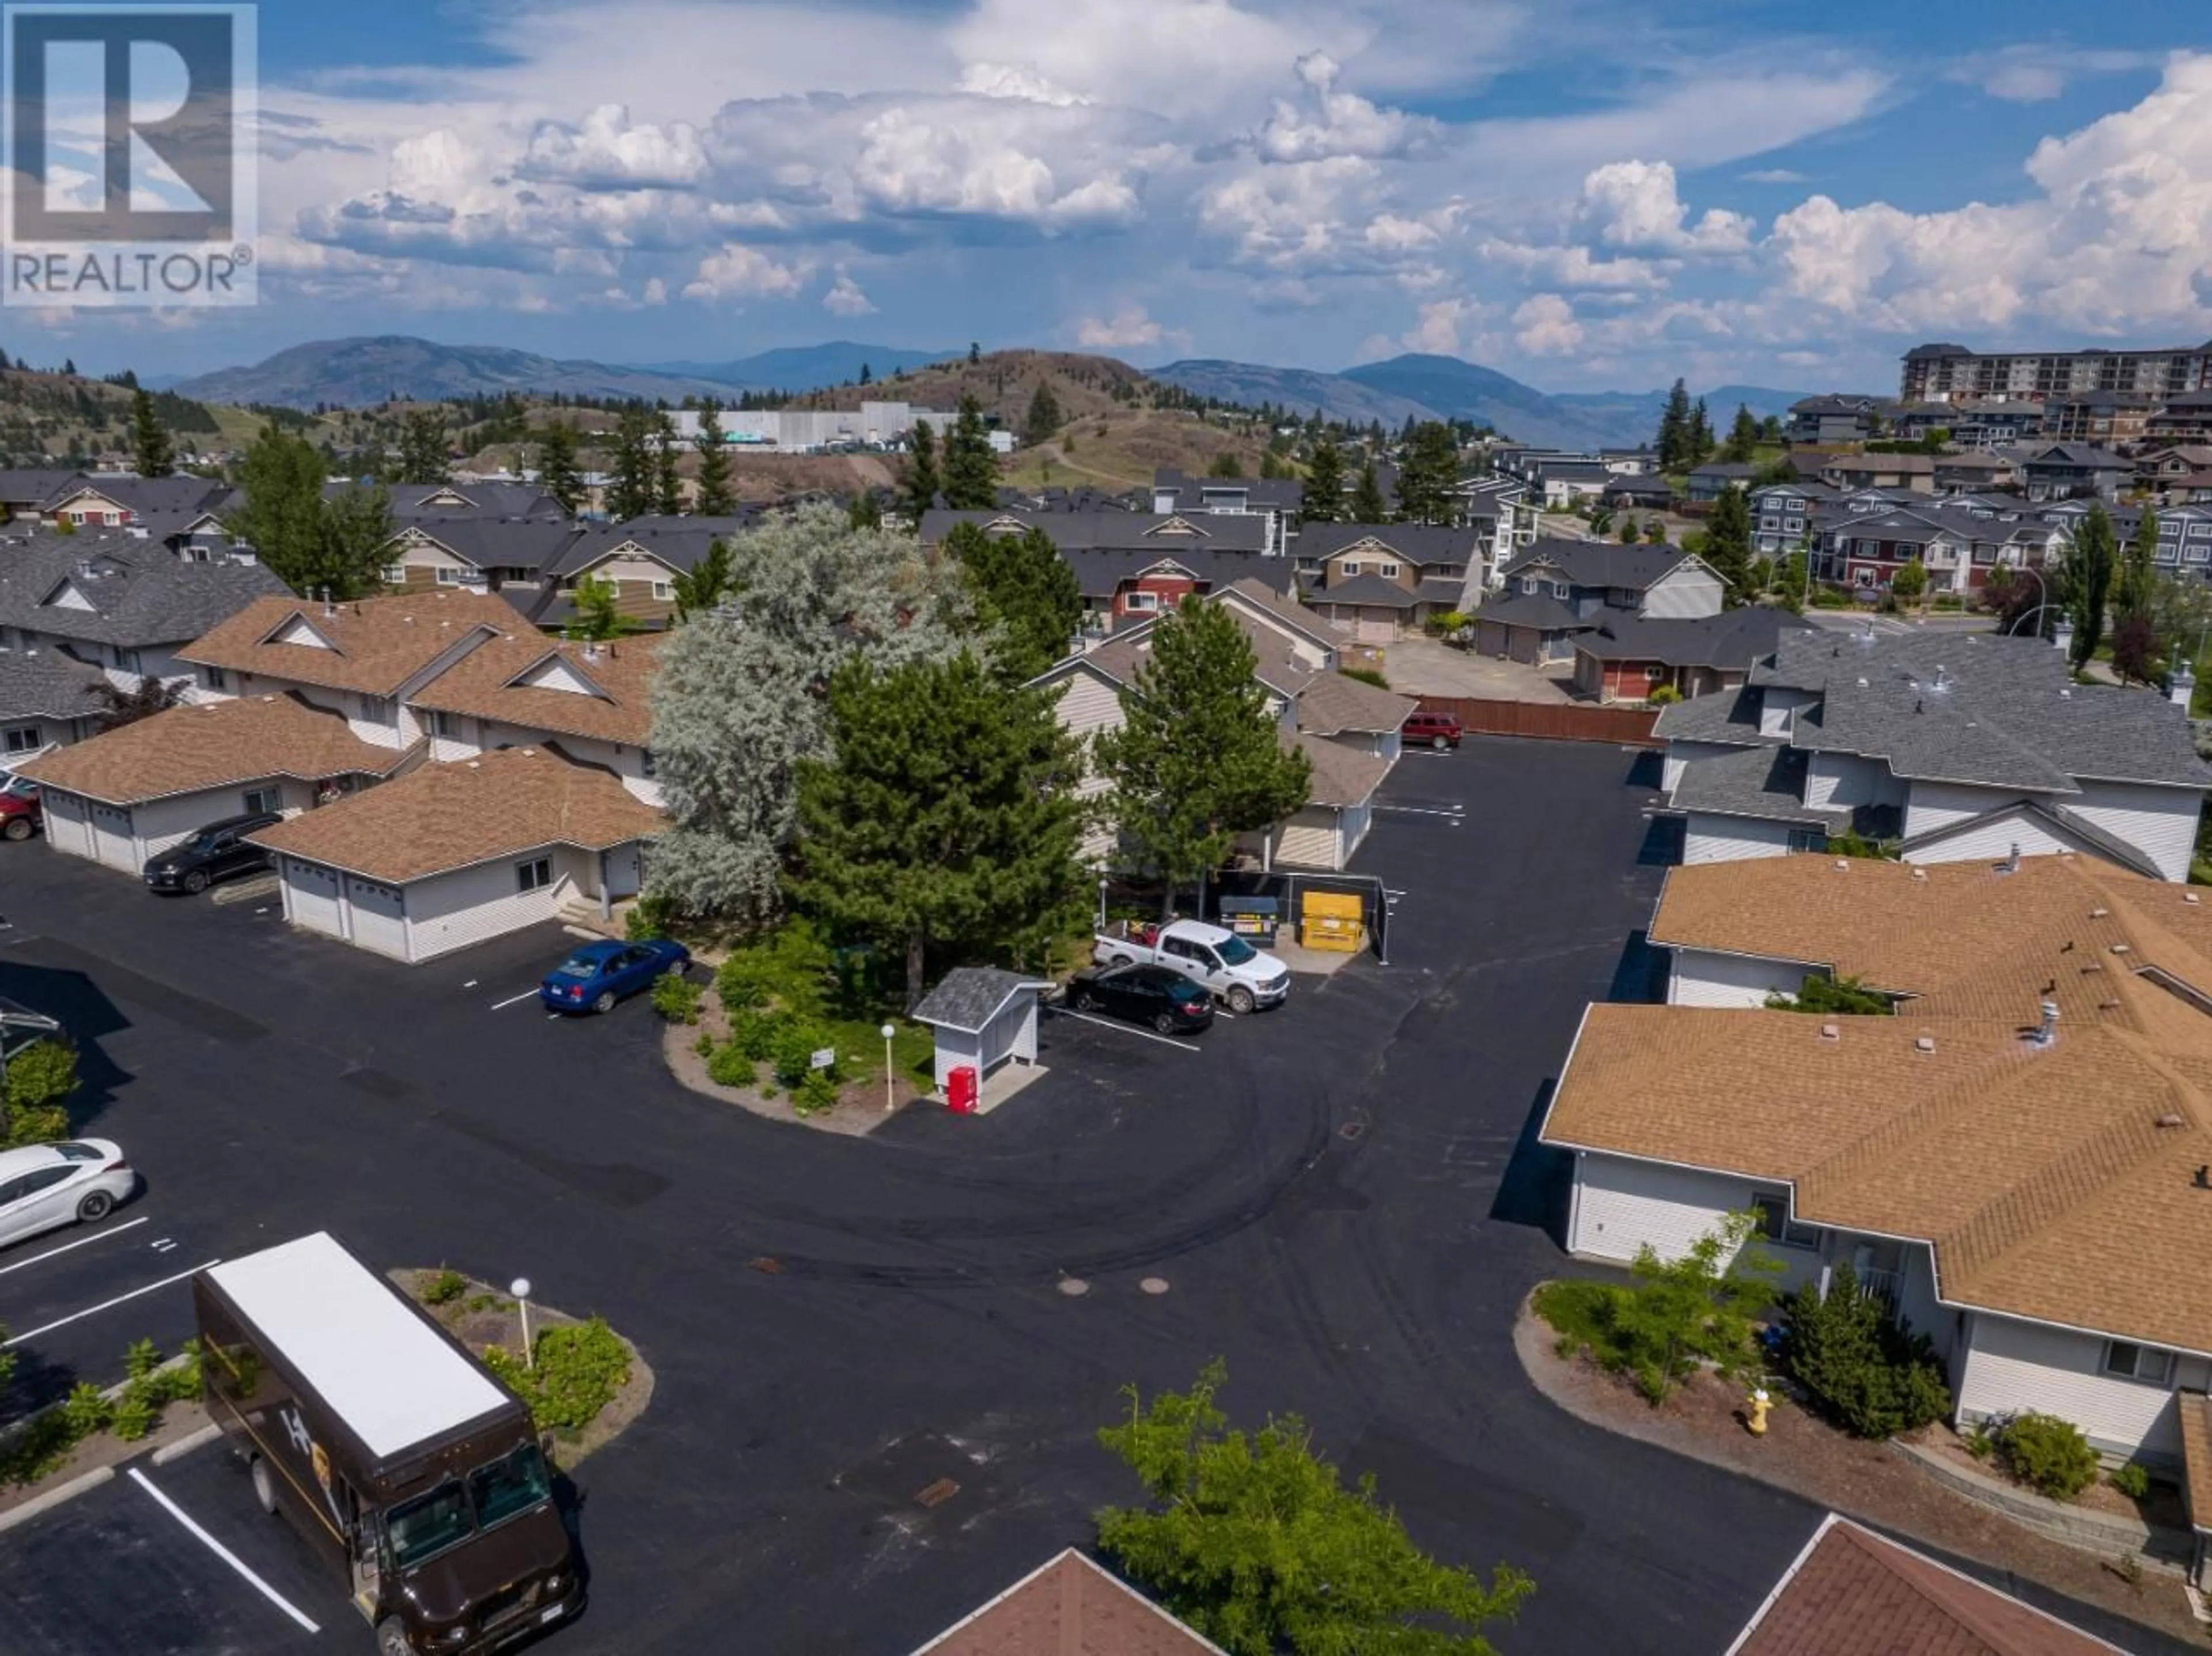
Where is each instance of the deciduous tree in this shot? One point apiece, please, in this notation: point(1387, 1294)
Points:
point(597, 603)
point(1197, 759)
point(1254, 1540)
point(1910, 584)
point(942, 817)
point(2085, 579)
point(2136, 583)
point(1025, 592)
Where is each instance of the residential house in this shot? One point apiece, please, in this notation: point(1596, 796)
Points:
point(1629, 656)
point(2160, 468)
point(1645, 492)
point(1705, 485)
point(1850, 1592)
point(116, 500)
point(1914, 473)
point(1975, 472)
point(2185, 535)
point(1274, 500)
point(2012, 1160)
point(123, 796)
point(1068, 1606)
point(1830, 419)
point(1133, 564)
point(1560, 589)
point(1638, 462)
point(1376, 582)
point(1784, 516)
point(453, 853)
point(2064, 470)
point(2103, 420)
point(1349, 731)
point(23, 490)
point(641, 556)
point(1916, 421)
point(2184, 418)
point(1565, 481)
point(1994, 423)
point(1959, 746)
point(474, 549)
point(1502, 512)
point(125, 604)
point(47, 698)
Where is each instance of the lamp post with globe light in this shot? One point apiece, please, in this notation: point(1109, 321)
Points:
point(520, 1289)
point(890, 1105)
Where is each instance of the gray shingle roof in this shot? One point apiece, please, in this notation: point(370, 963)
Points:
point(968, 997)
point(679, 542)
point(1730, 641)
point(1333, 704)
point(1424, 544)
point(1531, 610)
point(140, 592)
point(1118, 530)
point(1599, 562)
point(181, 493)
point(1766, 782)
point(1729, 718)
point(1371, 590)
point(499, 543)
point(47, 683)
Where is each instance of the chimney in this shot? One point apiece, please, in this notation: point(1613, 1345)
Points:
point(328, 608)
point(2047, 1031)
point(592, 649)
point(2010, 865)
point(2182, 686)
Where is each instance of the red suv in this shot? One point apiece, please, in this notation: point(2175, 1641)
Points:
point(1427, 729)
point(20, 816)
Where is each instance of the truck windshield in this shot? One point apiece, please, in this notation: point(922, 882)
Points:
point(1234, 951)
point(422, 1528)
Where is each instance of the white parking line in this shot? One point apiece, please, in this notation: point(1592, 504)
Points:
point(223, 1552)
point(1103, 1023)
point(104, 1305)
point(81, 1242)
point(514, 999)
point(1420, 811)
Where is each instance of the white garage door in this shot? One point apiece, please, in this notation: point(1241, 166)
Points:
point(380, 918)
point(111, 837)
point(1309, 840)
point(68, 827)
point(1378, 632)
point(313, 894)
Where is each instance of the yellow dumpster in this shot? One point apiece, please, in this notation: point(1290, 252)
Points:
point(1331, 920)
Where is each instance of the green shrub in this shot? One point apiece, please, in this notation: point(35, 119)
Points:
point(577, 1370)
point(444, 1288)
point(1366, 676)
point(1663, 696)
point(728, 1066)
point(2132, 1480)
point(1864, 1369)
point(1980, 1443)
point(181, 1384)
point(141, 1359)
point(704, 1046)
point(136, 1412)
point(756, 1034)
point(649, 918)
point(1830, 995)
point(85, 1411)
point(796, 1043)
point(37, 1448)
point(39, 1078)
point(677, 998)
point(2048, 1454)
point(815, 1092)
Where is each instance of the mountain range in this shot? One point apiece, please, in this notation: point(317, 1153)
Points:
point(358, 371)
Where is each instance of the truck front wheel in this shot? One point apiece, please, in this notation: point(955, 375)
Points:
point(1240, 1000)
point(392, 1638)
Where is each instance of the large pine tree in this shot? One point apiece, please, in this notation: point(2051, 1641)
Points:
point(154, 451)
point(923, 482)
point(715, 498)
point(1426, 474)
point(558, 473)
point(1197, 759)
point(667, 480)
point(1322, 499)
point(422, 456)
point(971, 470)
point(944, 817)
point(1026, 590)
point(1367, 505)
point(1727, 542)
point(1673, 439)
point(1743, 437)
point(630, 490)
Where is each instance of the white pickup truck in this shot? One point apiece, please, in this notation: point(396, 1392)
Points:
point(1237, 973)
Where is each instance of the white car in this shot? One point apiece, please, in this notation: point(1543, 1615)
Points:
point(46, 1186)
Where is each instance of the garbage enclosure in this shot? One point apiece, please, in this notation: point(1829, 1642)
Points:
point(1256, 919)
point(1331, 920)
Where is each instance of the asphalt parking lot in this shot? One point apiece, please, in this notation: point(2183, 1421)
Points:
point(1341, 1198)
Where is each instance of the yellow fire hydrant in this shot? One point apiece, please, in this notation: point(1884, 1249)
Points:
point(1758, 1403)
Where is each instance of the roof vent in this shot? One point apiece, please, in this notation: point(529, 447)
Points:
point(1863, 684)
point(1842, 865)
point(1924, 1043)
point(2120, 949)
point(474, 766)
point(2010, 865)
point(1832, 1032)
point(2098, 913)
point(2189, 897)
point(1919, 872)
point(2047, 1031)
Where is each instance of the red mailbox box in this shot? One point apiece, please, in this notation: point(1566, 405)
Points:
point(960, 1090)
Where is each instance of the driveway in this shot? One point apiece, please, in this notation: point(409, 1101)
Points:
point(1424, 667)
point(1341, 1198)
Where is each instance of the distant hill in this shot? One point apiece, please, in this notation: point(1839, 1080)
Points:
point(1634, 415)
point(352, 373)
point(806, 368)
point(1003, 383)
point(1299, 389)
point(1466, 391)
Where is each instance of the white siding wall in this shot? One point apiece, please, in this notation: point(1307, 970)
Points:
point(1776, 704)
point(1679, 754)
point(451, 911)
point(1701, 978)
point(1620, 1205)
point(159, 824)
point(1932, 805)
point(1992, 841)
point(1833, 781)
point(625, 761)
point(1309, 839)
point(1088, 705)
point(1684, 592)
point(1733, 839)
point(69, 828)
point(2160, 821)
point(2024, 1366)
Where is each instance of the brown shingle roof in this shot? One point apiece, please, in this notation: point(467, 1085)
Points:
point(188, 750)
point(1854, 1593)
point(1341, 776)
point(443, 817)
point(2052, 1182)
point(483, 684)
point(2196, 1412)
point(1333, 703)
point(377, 644)
point(1070, 1607)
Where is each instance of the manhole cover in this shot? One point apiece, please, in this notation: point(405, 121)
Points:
point(936, 1493)
point(1154, 1285)
point(1074, 1285)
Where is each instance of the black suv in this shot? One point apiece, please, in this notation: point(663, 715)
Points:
point(207, 855)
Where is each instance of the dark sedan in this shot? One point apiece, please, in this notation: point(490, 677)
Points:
point(1144, 994)
point(217, 851)
point(596, 975)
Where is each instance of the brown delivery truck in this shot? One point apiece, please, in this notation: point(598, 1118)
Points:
point(390, 1446)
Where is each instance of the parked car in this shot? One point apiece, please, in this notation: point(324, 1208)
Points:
point(21, 816)
point(593, 978)
point(1222, 961)
point(1427, 729)
point(46, 1186)
point(218, 851)
point(1156, 995)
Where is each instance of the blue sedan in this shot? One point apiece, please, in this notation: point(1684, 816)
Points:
point(593, 978)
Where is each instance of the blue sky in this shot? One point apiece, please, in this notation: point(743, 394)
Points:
point(1583, 194)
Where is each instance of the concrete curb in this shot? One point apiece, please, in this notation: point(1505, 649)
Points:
point(54, 1497)
point(2158, 1546)
point(185, 1446)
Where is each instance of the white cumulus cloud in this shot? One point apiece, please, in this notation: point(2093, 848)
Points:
point(736, 272)
point(1128, 326)
point(846, 298)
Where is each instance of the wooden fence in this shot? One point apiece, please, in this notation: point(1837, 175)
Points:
point(1569, 721)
